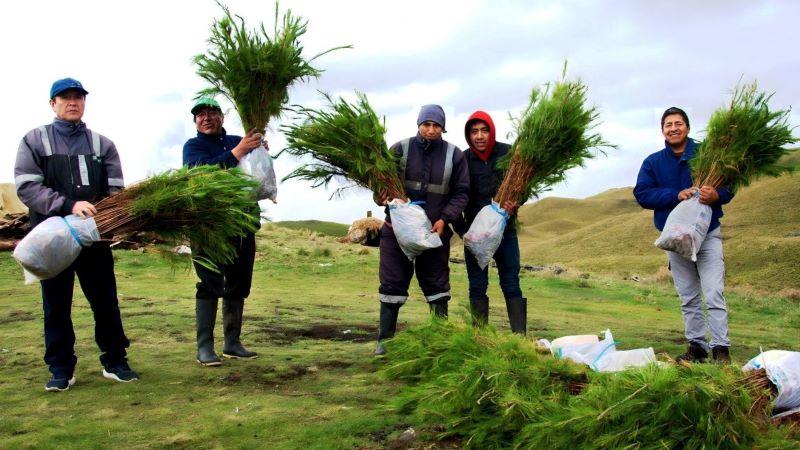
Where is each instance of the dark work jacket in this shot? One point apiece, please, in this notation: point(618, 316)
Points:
point(663, 176)
point(211, 149)
point(426, 161)
point(484, 180)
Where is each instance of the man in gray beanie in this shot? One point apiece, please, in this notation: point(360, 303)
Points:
point(435, 175)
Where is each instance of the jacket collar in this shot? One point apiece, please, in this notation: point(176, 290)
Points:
point(68, 128)
point(425, 143)
point(688, 152)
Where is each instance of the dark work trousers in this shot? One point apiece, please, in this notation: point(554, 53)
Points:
point(95, 270)
point(234, 280)
point(431, 266)
point(507, 259)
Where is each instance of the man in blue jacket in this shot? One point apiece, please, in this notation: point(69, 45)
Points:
point(434, 172)
point(664, 181)
point(215, 147)
point(64, 168)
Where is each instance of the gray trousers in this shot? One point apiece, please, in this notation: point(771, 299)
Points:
point(706, 275)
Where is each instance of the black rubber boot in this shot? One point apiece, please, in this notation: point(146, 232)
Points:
point(388, 325)
point(206, 316)
point(721, 354)
point(232, 310)
point(479, 307)
point(439, 307)
point(694, 353)
point(518, 314)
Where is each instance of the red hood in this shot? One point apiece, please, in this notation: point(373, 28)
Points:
point(483, 117)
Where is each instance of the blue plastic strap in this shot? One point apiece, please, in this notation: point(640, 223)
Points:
point(74, 233)
point(613, 343)
point(502, 212)
point(418, 202)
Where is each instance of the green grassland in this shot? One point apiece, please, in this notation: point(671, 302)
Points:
point(317, 226)
point(312, 316)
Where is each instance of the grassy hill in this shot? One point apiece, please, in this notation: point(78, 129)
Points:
point(609, 233)
point(312, 316)
point(317, 226)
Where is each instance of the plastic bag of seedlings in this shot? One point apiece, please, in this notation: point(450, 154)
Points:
point(783, 370)
point(486, 233)
point(258, 164)
point(686, 228)
point(623, 359)
point(412, 228)
point(53, 245)
point(590, 352)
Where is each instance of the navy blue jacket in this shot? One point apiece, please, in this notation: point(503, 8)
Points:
point(484, 180)
point(662, 176)
point(211, 149)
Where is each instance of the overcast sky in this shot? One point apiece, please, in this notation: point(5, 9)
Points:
point(638, 58)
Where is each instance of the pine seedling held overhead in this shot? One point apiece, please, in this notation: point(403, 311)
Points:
point(554, 134)
point(254, 69)
point(347, 142)
point(744, 141)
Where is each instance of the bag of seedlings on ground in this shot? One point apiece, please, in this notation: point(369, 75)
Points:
point(258, 164)
point(412, 228)
point(486, 233)
point(590, 352)
point(623, 359)
point(686, 228)
point(783, 370)
point(53, 245)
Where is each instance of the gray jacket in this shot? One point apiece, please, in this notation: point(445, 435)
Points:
point(84, 151)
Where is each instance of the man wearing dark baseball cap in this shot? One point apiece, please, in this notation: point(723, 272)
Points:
point(214, 146)
point(64, 168)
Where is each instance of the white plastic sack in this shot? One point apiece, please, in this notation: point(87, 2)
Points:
point(486, 233)
point(783, 369)
point(556, 347)
point(588, 353)
point(53, 245)
point(614, 361)
point(686, 228)
point(258, 164)
point(412, 228)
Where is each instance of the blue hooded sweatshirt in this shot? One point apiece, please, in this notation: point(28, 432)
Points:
point(212, 149)
point(662, 176)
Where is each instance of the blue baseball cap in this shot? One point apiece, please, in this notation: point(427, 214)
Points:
point(65, 84)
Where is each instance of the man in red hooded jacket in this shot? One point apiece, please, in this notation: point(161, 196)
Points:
point(484, 179)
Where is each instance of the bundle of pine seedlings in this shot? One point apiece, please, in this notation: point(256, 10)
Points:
point(694, 407)
point(554, 134)
point(255, 69)
point(203, 204)
point(744, 141)
point(496, 391)
point(477, 384)
point(346, 141)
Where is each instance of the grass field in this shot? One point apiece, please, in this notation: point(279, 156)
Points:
point(312, 317)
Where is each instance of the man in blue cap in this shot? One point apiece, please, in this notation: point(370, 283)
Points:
point(214, 146)
point(64, 168)
point(434, 173)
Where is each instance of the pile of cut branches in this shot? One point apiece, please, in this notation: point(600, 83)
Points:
point(495, 390)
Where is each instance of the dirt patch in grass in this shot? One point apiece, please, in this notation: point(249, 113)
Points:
point(16, 316)
point(278, 335)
